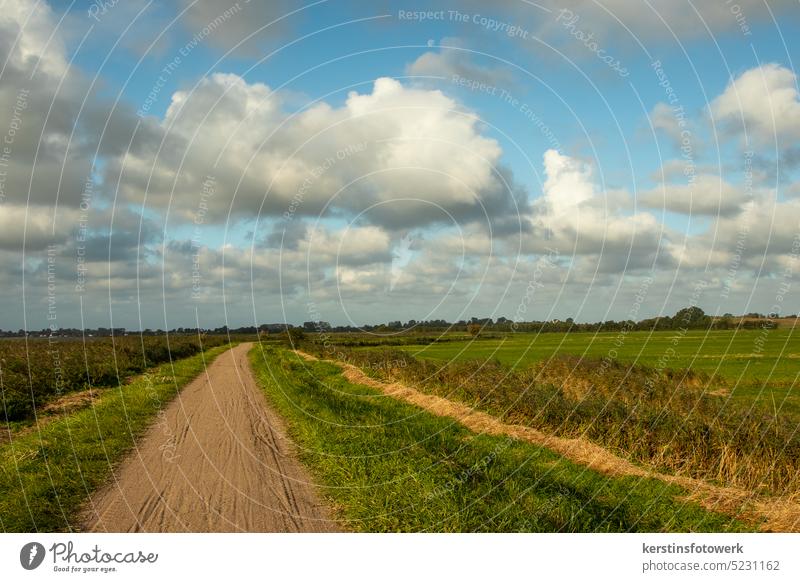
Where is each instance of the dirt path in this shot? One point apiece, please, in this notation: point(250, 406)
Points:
point(216, 460)
point(775, 515)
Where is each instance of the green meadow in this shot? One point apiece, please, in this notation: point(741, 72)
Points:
point(761, 364)
point(387, 466)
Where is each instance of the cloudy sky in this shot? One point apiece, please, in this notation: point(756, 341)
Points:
point(185, 163)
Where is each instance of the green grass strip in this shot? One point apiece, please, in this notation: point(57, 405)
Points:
point(387, 466)
point(46, 475)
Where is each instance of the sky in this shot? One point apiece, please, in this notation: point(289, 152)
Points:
point(206, 163)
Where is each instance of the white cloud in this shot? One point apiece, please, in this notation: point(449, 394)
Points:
point(568, 184)
point(623, 20)
point(453, 62)
point(31, 28)
point(402, 156)
point(57, 116)
point(34, 226)
point(707, 195)
point(678, 126)
point(792, 190)
point(576, 217)
point(389, 159)
point(763, 104)
point(663, 119)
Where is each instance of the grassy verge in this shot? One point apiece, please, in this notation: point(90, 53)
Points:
point(47, 474)
point(389, 466)
point(677, 421)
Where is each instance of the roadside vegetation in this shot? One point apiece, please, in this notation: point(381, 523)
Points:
point(34, 372)
point(389, 466)
point(742, 356)
point(49, 469)
point(677, 421)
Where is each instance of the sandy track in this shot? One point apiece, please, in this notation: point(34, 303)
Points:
point(217, 460)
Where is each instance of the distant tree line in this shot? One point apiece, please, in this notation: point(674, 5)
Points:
point(68, 332)
point(686, 318)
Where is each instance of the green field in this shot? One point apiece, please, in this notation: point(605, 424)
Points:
point(732, 354)
point(388, 466)
point(762, 364)
point(718, 406)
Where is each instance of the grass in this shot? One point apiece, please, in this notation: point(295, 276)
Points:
point(36, 371)
point(47, 474)
point(731, 353)
point(388, 466)
point(759, 365)
point(676, 421)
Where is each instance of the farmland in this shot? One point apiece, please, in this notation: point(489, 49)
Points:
point(732, 354)
point(36, 372)
point(674, 412)
point(717, 406)
point(389, 466)
point(753, 364)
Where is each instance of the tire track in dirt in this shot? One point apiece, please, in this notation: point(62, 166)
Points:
point(781, 515)
point(217, 460)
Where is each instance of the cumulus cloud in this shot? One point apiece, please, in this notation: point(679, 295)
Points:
point(792, 190)
point(625, 21)
point(33, 227)
point(677, 125)
point(763, 105)
point(663, 119)
point(707, 195)
point(387, 164)
point(569, 183)
point(395, 156)
point(454, 62)
point(762, 239)
point(677, 170)
point(30, 39)
point(574, 217)
point(55, 118)
point(37, 120)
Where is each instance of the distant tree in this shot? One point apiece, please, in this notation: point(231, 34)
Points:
point(474, 329)
point(690, 317)
point(294, 335)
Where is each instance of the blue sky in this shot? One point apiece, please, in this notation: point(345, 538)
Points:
point(504, 124)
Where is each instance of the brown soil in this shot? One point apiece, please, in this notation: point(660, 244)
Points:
point(774, 515)
point(216, 460)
